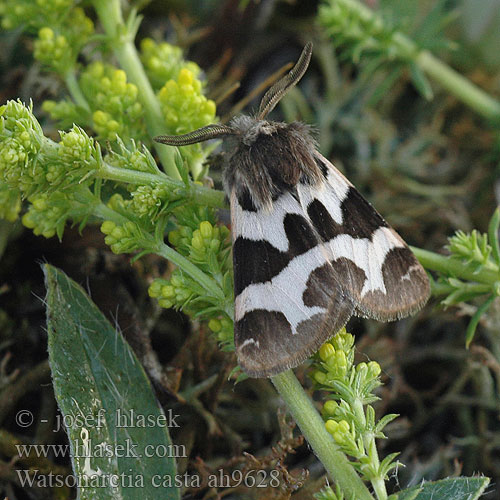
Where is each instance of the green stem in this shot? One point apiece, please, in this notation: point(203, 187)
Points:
point(5, 231)
point(408, 50)
point(455, 267)
point(459, 86)
point(462, 88)
point(210, 285)
point(103, 212)
point(378, 483)
point(200, 194)
point(75, 90)
point(110, 16)
point(472, 288)
point(313, 428)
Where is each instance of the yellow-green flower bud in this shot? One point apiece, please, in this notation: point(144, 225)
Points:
point(331, 426)
point(339, 437)
point(206, 229)
point(362, 367)
point(320, 377)
point(214, 245)
point(337, 361)
point(154, 289)
point(374, 369)
point(165, 303)
point(197, 241)
point(108, 226)
point(176, 281)
point(330, 407)
point(215, 325)
point(344, 426)
point(174, 237)
point(326, 350)
point(168, 291)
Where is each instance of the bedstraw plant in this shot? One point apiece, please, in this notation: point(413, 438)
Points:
point(105, 169)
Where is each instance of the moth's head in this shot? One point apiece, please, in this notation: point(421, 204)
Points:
point(247, 128)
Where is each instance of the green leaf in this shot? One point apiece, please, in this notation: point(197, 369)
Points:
point(420, 81)
point(493, 235)
point(410, 493)
point(471, 328)
point(118, 434)
point(456, 488)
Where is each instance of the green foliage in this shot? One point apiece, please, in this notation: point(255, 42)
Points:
point(164, 62)
point(89, 358)
point(102, 170)
point(59, 49)
point(362, 33)
point(34, 14)
point(209, 247)
point(327, 493)
point(349, 416)
point(470, 272)
point(453, 488)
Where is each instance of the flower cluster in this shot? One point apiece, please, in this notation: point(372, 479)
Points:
point(359, 30)
point(208, 247)
point(10, 203)
point(54, 177)
point(185, 109)
point(183, 104)
point(471, 271)
point(47, 214)
point(115, 110)
point(20, 143)
point(132, 158)
point(163, 62)
point(224, 330)
point(58, 46)
point(473, 248)
point(31, 163)
point(122, 238)
point(35, 14)
point(349, 416)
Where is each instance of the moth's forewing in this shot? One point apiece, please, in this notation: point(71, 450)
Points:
point(303, 266)
point(373, 262)
point(288, 300)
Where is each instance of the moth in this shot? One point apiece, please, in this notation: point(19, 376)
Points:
point(308, 250)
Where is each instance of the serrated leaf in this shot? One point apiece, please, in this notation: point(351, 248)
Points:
point(456, 488)
point(410, 493)
point(101, 387)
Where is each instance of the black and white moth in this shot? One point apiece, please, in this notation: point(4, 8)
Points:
point(308, 250)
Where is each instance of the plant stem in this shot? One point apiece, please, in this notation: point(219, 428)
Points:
point(200, 194)
point(75, 90)
point(459, 86)
point(313, 428)
point(105, 213)
point(407, 50)
point(455, 267)
point(378, 483)
point(210, 285)
point(110, 16)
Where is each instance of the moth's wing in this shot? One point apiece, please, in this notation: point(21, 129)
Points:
point(288, 299)
point(374, 265)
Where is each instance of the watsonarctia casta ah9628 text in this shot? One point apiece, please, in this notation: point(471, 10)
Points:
point(308, 250)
